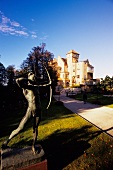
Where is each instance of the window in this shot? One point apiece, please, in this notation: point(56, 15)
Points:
point(78, 76)
point(66, 76)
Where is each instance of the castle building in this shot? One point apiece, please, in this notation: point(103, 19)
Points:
point(71, 71)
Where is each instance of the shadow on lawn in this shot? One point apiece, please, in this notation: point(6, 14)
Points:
point(63, 147)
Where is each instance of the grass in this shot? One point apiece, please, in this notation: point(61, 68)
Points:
point(96, 99)
point(69, 141)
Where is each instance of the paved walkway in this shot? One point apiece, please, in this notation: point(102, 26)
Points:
point(100, 116)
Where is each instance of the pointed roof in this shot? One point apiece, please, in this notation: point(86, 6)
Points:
point(72, 51)
point(64, 60)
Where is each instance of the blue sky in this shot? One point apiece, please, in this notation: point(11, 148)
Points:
point(85, 26)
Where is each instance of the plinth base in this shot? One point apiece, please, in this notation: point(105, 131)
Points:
point(23, 159)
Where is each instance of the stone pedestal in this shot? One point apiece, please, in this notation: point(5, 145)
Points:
point(23, 159)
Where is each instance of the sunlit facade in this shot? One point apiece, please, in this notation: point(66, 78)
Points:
point(73, 72)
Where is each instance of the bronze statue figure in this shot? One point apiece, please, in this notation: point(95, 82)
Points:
point(31, 92)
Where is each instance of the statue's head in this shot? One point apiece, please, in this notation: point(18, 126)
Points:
point(31, 76)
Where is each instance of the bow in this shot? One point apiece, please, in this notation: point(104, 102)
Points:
point(50, 86)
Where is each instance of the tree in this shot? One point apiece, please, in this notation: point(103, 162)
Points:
point(37, 60)
point(10, 74)
point(3, 74)
point(107, 83)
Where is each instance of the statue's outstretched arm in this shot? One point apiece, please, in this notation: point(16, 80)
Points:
point(24, 83)
point(41, 85)
point(29, 84)
point(21, 82)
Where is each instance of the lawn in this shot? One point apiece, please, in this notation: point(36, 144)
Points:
point(69, 141)
point(96, 99)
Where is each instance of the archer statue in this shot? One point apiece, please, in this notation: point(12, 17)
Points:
point(31, 92)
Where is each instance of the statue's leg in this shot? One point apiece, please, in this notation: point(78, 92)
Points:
point(20, 127)
point(36, 121)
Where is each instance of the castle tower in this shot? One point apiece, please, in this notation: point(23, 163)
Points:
point(72, 59)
